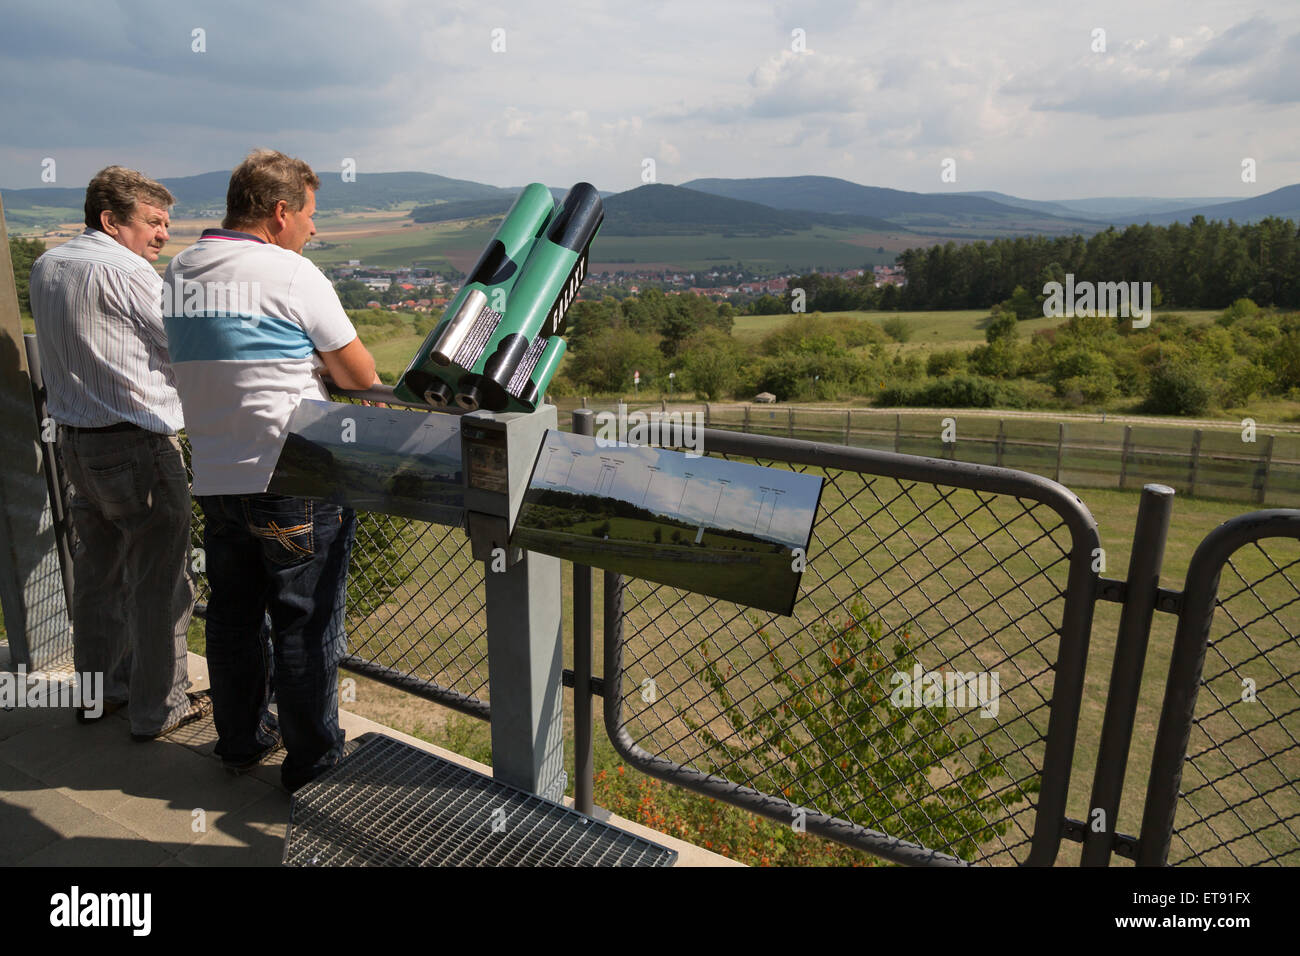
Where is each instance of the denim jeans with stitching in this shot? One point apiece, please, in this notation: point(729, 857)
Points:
point(286, 557)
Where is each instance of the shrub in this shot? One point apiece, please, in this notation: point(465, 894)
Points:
point(711, 363)
point(931, 784)
point(1245, 380)
point(779, 377)
point(815, 332)
point(605, 360)
point(945, 362)
point(999, 359)
point(1091, 389)
point(1241, 309)
point(1178, 388)
point(1023, 304)
point(897, 328)
point(1086, 373)
point(957, 391)
point(1001, 325)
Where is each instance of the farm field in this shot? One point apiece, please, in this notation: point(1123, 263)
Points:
point(826, 248)
point(395, 241)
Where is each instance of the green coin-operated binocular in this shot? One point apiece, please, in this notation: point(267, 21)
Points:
point(499, 342)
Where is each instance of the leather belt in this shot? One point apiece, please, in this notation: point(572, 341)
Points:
point(106, 429)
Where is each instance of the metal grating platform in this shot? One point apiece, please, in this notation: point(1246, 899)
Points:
point(389, 804)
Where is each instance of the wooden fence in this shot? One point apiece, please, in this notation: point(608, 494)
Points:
point(1259, 464)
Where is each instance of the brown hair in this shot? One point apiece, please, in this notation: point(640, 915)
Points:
point(117, 190)
point(263, 179)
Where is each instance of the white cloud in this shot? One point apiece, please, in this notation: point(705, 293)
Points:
point(885, 92)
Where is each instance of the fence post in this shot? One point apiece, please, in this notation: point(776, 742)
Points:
point(1060, 448)
point(584, 401)
point(1002, 437)
point(898, 432)
point(745, 425)
point(1265, 461)
point(706, 414)
point(583, 800)
point(790, 429)
point(1191, 469)
point(848, 423)
point(1123, 457)
point(1143, 582)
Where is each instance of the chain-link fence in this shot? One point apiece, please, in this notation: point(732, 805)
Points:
point(929, 676)
point(1226, 772)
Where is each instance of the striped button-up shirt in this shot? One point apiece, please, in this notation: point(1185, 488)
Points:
point(98, 312)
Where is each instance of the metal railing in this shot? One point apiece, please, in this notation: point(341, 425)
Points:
point(847, 718)
point(1225, 775)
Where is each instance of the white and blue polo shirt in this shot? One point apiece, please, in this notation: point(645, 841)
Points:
point(245, 320)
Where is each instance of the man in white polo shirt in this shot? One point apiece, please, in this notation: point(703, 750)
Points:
point(251, 325)
point(99, 328)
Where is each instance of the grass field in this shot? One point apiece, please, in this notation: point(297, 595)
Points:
point(823, 248)
point(432, 245)
point(930, 331)
point(394, 354)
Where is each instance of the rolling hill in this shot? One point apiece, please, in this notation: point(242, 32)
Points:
point(1283, 203)
point(659, 209)
point(1102, 208)
point(208, 191)
point(936, 213)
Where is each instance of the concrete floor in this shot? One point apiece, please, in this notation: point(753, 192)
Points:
point(88, 795)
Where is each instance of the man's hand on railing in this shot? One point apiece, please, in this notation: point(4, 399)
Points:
point(377, 381)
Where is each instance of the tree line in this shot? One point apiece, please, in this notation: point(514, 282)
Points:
point(1200, 265)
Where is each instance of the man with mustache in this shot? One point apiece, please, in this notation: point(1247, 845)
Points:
point(97, 305)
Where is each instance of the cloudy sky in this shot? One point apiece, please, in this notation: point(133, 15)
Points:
point(1041, 98)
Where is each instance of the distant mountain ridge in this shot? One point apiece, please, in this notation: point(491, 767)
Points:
point(954, 214)
point(1283, 203)
point(208, 190)
point(751, 207)
point(1106, 208)
point(660, 209)
point(827, 194)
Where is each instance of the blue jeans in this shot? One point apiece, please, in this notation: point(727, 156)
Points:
point(286, 557)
